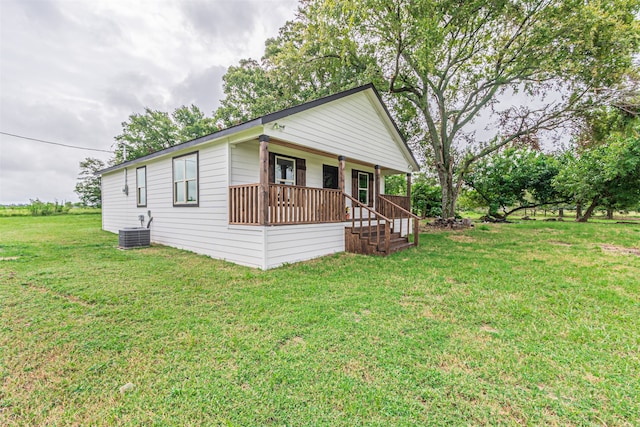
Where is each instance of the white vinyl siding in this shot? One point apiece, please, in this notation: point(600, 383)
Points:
point(202, 229)
point(350, 126)
point(245, 163)
point(285, 245)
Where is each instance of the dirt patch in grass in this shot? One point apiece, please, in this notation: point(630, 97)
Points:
point(620, 250)
point(356, 369)
point(70, 298)
point(559, 243)
point(8, 258)
point(488, 328)
point(463, 238)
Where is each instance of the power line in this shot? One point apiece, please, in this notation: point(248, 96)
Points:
point(56, 143)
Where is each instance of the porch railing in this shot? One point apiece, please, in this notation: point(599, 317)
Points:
point(287, 204)
point(402, 201)
point(398, 213)
point(243, 204)
point(375, 226)
point(304, 205)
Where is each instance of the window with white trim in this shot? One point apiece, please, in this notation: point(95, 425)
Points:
point(285, 170)
point(185, 180)
point(141, 186)
point(363, 187)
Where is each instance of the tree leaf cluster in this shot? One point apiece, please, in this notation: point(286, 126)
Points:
point(606, 172)
point(514, 179)
point(88, 186)
point(156, 130)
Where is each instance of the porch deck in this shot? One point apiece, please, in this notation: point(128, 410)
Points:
point(380, 230)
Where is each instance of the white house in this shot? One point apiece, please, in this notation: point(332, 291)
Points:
point(289, 186)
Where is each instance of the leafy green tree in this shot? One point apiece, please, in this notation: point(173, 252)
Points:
point(297, 67)
point(88, 187)
point(395, 185)
point(515, 179)
point(445, 64)
point(606, 174)
point(426, 196)
point(155, 130)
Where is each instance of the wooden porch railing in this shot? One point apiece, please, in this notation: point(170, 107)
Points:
point(403, 201)
point(243, 204)
point(375, 225)
point(395, 211)
point(304, 205)
point(287, 204)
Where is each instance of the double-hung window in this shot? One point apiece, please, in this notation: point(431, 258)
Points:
point(141, 186)
point(285, 170)
point(185, 180)
point(363, 187)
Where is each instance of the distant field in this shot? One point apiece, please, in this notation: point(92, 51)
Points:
point(26, 211)
point(536, 323)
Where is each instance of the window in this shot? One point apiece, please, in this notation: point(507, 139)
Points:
point(185, 180)
point(329, 176)
point(285, 170)
point(363, 187)
point(141, 186)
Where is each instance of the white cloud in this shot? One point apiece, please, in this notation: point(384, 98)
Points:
point(72, 70)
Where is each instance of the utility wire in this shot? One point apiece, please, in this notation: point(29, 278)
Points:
point(55, 143)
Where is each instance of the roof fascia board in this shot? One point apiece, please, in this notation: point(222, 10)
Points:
point(185, 145)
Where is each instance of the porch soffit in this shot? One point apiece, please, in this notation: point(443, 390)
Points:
point(281, 143)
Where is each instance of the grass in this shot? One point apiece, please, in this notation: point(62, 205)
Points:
point(532, 323)
point(31, 210)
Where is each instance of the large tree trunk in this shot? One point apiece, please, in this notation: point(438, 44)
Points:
point(449, 194)
point(609, 213)
point(560, 213)
point(578, 210)
point(589, 211)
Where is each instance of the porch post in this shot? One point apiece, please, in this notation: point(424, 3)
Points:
point(376, 187)
point(341, 167)
point(409, 190)
point(263, 192)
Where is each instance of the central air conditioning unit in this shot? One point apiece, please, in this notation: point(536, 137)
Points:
point(134, 237)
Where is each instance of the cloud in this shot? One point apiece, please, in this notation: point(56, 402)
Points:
point(73, 71)
point(201, 88)
point(226, 21)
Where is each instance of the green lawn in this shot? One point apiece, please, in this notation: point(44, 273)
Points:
point(532, 323)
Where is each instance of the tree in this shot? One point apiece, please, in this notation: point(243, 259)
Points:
point(155, 130)
point(605, 174)
point(515, 179)
point(88, 186)
point(425, 196)
point(294, 69)
point(445, 64)
point(395, 185)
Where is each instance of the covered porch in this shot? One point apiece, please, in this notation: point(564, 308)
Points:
point(378, 227)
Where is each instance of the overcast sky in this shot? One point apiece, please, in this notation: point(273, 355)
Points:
point(71, 71)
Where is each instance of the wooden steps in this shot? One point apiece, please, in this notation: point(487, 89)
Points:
point(361, 240)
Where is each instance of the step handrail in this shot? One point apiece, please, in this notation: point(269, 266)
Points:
point(416, 218)
point(379, 216)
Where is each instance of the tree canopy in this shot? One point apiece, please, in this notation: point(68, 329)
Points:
point(607, 171)
point(88, 185)
point(514, 179)
point(445, 65)
point(155, 130)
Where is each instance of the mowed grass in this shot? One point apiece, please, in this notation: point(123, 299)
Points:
point(532, 323)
